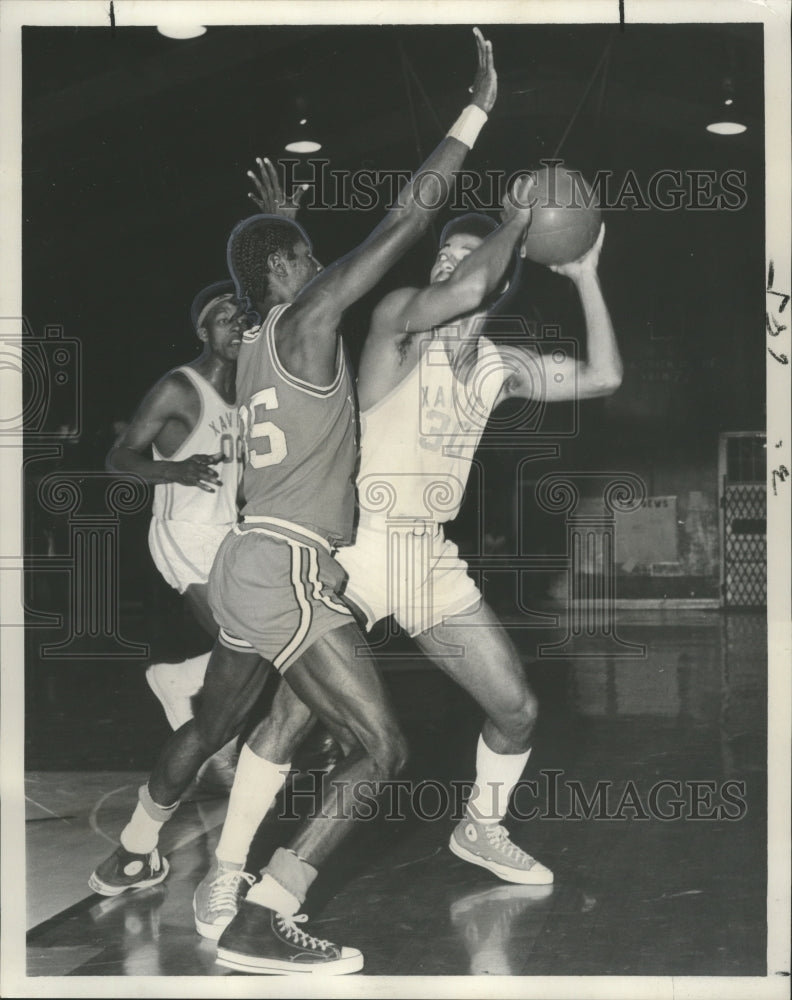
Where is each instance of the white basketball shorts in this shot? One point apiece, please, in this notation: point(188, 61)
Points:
point(184, 552)
point(409, 571)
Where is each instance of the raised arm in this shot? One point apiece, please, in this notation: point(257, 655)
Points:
point(600, 374)
point(477, 276)
point(319, 306)
point(166, 402)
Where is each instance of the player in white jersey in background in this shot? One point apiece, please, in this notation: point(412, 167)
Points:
point(425, 398)
point(189, 422)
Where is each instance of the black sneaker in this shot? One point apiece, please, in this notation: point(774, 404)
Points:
point(124, 870)
point(263, 942)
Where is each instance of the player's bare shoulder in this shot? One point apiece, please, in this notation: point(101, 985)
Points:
point(176, 393)
point(390, 352)
point(173, 405)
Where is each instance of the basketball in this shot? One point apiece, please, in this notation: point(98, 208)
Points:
point(566, 218)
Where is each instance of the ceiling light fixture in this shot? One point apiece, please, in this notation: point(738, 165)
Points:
point(181, 30)
point(727, 128)
point(731, 127)
point(303, 121)
point(303, 146)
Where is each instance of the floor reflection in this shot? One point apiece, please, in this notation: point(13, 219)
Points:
point(498, 926)
point(633, 895)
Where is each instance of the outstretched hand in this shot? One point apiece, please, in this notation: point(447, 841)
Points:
point(269, 197)
point(585, 264)
point(485, 86)
point(196, 471)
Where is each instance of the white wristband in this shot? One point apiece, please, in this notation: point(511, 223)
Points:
point(467, 127)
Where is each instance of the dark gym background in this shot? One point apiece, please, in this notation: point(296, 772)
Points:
point(135, 149)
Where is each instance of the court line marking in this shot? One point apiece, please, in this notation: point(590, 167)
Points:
point(92, 820)
point(46, 810)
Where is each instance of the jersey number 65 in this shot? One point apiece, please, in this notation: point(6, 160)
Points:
point(266, 441)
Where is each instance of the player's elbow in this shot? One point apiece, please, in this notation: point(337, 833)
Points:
point(612, 381)
point(607, 382)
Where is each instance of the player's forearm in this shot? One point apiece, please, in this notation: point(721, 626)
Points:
point(426, 192)
point(125, 460)
point(353, 276)
point(602, 373)
point(481, 272)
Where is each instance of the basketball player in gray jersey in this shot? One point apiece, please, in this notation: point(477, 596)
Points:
point(285, 563)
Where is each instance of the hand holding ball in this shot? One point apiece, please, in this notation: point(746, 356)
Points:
point(565, 222)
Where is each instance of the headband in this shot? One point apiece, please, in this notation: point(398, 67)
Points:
point(210, 305)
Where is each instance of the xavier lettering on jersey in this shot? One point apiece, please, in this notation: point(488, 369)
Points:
point(428, 427)
point(450, 416)
point(227, 427)
point(215, 432)
point(225, 422)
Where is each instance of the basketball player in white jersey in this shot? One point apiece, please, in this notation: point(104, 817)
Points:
point(274, 584)
point(425, 398)
point(189, 423)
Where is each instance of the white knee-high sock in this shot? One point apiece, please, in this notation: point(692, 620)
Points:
point(496, 776)
point(256, 784)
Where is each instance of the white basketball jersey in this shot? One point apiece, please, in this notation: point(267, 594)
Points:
point(418, 442)
point(216, 431)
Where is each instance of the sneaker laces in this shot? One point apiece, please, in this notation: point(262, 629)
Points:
point(498, 838)
point(288, 926)
point(226, 889)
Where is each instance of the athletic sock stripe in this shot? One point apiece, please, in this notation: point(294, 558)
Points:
point(300, 596)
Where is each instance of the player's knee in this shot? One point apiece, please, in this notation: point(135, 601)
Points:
point(528, 714)
point(214, 733)
point(389, 755)
point(518, 721)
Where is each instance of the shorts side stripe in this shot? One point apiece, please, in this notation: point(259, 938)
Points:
point(300, 596)
point(233, 642)
point(318, 590)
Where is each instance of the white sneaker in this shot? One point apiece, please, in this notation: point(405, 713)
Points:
point(489, 845)
point(217, 898)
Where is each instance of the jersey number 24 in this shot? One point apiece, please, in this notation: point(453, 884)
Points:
point(266, 441)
